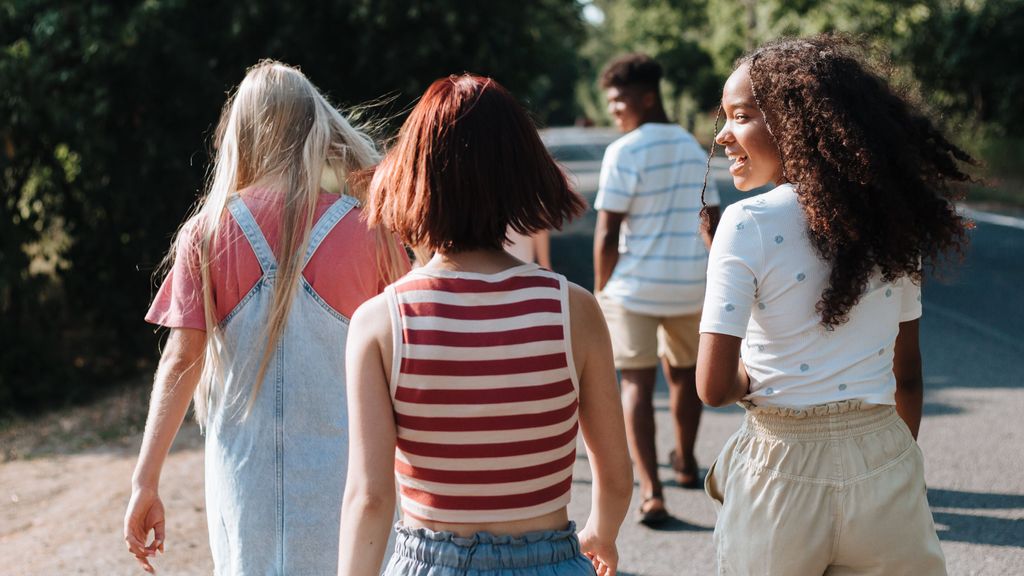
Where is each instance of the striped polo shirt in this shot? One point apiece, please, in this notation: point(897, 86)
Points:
point(485, 394)
point(654, 176)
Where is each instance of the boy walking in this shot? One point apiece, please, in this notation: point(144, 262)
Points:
point(650, 258)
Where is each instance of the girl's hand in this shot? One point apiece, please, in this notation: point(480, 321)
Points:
point(145, 512)
point(603, 554)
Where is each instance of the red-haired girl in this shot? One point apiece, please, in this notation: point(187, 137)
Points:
point(471, 391)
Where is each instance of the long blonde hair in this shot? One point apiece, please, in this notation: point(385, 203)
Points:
point(278, 132)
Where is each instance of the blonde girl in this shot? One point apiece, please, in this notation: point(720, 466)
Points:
point(264, 278)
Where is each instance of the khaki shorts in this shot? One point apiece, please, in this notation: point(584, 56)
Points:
point(639, 340)
point(833, 489)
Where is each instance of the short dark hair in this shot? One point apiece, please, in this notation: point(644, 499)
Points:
point(467, 166)
point(632, 70)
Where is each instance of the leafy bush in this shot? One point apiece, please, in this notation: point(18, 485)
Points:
point(108, 106)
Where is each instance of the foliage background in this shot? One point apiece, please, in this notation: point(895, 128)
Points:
point(107, 110)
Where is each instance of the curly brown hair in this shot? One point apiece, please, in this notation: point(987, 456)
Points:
point(873, 174)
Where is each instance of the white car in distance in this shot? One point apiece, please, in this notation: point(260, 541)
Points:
point(579, 151)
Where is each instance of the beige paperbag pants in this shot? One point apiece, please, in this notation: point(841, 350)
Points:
point(836, 489)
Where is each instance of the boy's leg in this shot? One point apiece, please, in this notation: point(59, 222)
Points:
point(677, 345)
point(686, 409)
point(638, 409)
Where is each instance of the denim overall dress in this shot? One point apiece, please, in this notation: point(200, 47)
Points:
point(275, 478)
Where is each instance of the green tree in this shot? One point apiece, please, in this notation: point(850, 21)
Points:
point(964, 52)
point(668, 31)
point(107, 107)
point(969, 55)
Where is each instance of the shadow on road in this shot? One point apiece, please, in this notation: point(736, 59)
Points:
point(941, 498)
point(940, 409)
point(674, 524)
point(979, 529)
point(961, 526)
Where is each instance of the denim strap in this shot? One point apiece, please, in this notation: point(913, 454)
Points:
point(323, 227)
point(252, 233)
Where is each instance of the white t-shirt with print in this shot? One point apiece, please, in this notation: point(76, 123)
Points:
point(764, 281)
point(654, 176)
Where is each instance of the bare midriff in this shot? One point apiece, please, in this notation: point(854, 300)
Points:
point(557, 520)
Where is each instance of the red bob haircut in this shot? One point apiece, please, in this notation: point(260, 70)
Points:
point(468, 165)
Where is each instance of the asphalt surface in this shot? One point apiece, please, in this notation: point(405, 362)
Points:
point(972, 433)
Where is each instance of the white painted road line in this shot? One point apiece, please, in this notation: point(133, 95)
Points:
point(990, 218)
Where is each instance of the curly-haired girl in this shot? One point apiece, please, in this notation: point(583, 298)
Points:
point(818, 281)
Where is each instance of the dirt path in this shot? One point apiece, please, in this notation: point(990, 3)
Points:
point(64, 483)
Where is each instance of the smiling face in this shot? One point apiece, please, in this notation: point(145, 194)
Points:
point(745, 136)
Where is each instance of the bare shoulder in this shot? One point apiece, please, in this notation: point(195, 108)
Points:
point(584, 313)
point(372, 319)
point(580, 297)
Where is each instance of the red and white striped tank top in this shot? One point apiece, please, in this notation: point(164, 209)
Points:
point(485, 394)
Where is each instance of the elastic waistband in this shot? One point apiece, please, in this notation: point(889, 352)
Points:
point(486, 551)
point(826, 421)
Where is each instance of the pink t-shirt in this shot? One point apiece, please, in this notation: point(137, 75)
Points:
point(343, 271)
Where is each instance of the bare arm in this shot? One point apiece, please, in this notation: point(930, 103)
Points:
point(721, 377)
point(707, 230)
point(906, 366)
point(369, 504)
point(176, 379)
point(542, 248)
point(603, 431)
point(606, 246)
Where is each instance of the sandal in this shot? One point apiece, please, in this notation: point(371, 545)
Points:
point(685, 476)
point(652, 511)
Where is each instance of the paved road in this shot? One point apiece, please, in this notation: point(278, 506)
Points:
point(972, 434)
